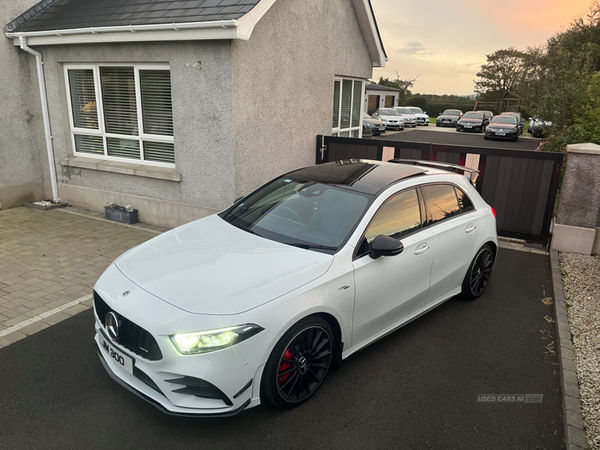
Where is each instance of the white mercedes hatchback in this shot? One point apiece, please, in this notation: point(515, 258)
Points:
point(258, 303)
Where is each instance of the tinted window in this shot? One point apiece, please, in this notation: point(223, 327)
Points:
point(298, 212)
point(399, 216)
point(464, 201)
point(441, 202)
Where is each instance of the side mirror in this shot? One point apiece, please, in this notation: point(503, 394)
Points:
point(385, 246)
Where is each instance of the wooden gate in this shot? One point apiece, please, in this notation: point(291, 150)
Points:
point(521, 185)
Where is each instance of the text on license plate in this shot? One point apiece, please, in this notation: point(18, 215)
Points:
point(120, 358)
point(468, 126)
point(500, 134)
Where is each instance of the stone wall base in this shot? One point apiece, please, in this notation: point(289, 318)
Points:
point(11, 196)
point(566, 238)
point(153, 211)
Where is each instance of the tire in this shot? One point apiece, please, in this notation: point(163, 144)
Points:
point(479, 274)
point(299, 363)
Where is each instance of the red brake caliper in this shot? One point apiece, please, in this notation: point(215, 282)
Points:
point(285, 366)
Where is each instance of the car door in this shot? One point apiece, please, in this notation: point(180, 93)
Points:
point(456, 227)
point(389, 289)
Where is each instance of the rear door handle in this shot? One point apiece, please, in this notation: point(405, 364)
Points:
point(470, 228)
point(421, 249)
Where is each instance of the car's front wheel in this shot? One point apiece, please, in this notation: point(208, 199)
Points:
point(479, 274)
point(298, 364)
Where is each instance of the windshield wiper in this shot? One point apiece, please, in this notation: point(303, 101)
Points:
point(310, 246)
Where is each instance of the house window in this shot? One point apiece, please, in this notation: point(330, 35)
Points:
point(347, 101)
point(121, 113)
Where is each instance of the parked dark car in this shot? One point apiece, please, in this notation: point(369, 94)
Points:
point(448, 118)
point(372, 126)
point(537, 126)
point(472, 121)
point(519, 117)
point(503, 127)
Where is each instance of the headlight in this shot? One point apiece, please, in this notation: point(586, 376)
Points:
point(209, 341)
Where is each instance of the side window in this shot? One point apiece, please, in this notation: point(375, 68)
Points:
point(464, 201)
point(400, 215)
point(441, 202)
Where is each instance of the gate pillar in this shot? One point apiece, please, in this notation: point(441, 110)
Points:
point(577, 222)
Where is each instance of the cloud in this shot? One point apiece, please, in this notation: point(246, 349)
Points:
point(415, 48)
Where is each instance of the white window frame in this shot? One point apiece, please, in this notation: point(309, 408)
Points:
point(100, 111)
point(337, 130)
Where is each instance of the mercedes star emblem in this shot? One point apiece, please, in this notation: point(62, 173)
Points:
point(112, 325)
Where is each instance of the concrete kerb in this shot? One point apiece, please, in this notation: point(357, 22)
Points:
point(573, 421)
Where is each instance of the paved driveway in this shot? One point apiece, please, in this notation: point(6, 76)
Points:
point(415, 389)
point(49, 261)
point(449, 136)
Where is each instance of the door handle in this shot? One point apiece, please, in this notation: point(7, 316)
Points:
point(470, 228)
point(421, 249)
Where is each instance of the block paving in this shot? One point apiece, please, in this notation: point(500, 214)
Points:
point(51, 258)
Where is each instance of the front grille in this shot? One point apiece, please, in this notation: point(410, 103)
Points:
point(131, 336)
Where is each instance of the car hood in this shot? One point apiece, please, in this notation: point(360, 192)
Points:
point(391, 117)
point(211, 267)
point(471, 121)
point(449, 117)
point(505, 126)
point(373, 121)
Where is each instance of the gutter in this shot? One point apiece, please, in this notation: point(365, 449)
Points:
point(130, 28)
point(46, 117)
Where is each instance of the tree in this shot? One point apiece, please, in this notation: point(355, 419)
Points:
point(503, 72)
point(402, 85)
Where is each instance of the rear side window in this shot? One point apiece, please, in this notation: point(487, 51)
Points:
point(399, 216)
point(441, 202)
point(464, 201)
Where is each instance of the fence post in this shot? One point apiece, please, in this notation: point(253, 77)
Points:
point(577, 220)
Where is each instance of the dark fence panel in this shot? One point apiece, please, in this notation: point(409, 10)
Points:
point(521, 185)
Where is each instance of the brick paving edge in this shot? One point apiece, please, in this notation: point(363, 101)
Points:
point(574, 434)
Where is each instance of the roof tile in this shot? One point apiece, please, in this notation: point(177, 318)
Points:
point(66, 14)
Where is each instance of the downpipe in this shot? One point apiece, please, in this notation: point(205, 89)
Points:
point(46, 117)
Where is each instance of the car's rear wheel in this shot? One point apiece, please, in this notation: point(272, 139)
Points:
point(479, 274)
point(298, 364)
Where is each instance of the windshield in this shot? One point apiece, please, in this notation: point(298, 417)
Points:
point(416, 110)
point(301, 213)
point(473, 116)
point(451, 112)
point(505, 119)
point(388, 112)
point(404, 110)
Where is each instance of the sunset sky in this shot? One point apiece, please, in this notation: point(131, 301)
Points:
point(446, 42)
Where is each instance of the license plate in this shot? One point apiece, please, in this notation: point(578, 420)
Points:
point(500, 134)
point(120, 358)
point(468, 126)
point(446, 121)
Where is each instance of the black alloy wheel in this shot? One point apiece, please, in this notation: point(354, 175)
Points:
point(479, 274)
point(299, 363)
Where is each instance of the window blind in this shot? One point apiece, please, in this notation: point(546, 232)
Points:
point(159, 151)
point(157, 109)
point(356, 104)
point(89, 144)
point(83, 98)
point(346, 99)
point(124, 148)
point(118, 97)
point(336, 105)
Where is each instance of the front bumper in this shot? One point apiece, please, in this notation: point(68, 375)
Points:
point(501, 134)
point(222, 382)
point(446, 123)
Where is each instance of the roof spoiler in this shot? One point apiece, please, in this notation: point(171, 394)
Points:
point(473, 174)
